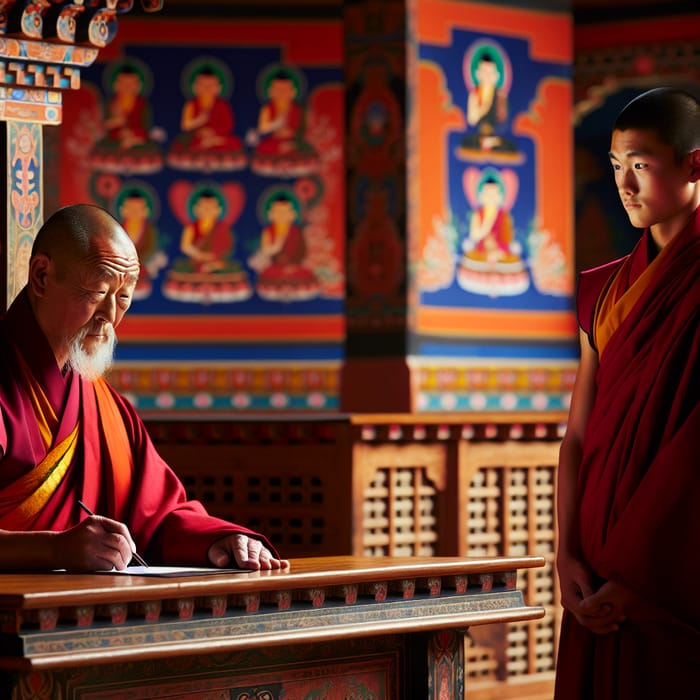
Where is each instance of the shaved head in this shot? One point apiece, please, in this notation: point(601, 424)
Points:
point(69, 234)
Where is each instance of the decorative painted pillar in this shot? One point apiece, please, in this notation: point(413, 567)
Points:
point(460, 207)
point(43, 47)
point(375, 374)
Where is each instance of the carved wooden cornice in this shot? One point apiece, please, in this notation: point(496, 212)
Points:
point(92, 22)
point(43, 46)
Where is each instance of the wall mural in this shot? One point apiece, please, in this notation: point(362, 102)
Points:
point(220, 151)
point(493, 260)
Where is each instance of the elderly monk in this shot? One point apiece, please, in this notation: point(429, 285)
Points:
point(67, 436)
point(629, 485)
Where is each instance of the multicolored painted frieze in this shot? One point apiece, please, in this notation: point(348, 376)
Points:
point(446, 386)
point(230, 387)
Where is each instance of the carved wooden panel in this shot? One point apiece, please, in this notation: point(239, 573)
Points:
point(398, 491)
point(510, 510)
point(290, 481)
point(399, 513)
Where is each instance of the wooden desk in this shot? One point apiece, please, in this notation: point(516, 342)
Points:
point(330, 627)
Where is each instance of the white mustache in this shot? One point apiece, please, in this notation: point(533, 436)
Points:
point(92, 365)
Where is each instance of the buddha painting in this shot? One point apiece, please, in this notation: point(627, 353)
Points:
point(280, 260)
point(207, 141)
point(136, 209)
point(491, 262)
point(127, 146)
point(279, 145)
point(487, 77)
point(207, 271)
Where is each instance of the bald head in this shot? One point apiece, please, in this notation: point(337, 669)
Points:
point(71, 234)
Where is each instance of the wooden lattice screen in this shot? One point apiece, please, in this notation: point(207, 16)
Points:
point(510, 510)
point(397, 488)
point(399, 514)
point(411, 497)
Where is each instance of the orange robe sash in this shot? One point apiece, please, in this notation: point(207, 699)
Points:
point(118, 447)
point(616, 302)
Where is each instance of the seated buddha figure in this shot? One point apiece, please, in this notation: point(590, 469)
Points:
point(207, 273)
point(207, 141)
point(281, 257)
point(126, 146)
point(279, 145)
point(491, 262)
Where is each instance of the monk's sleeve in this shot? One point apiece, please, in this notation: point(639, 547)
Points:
point(653, 546)
point(169, 528)
point(3, 434)
point(588, 288)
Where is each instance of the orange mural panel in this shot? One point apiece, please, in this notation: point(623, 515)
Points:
point(490, 172)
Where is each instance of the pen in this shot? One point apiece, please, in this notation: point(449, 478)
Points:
point(137, 557)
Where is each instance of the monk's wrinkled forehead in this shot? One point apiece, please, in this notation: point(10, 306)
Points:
point(110, 265)
point(110, 250)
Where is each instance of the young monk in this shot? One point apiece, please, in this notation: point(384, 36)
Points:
point(628, 483)
point(66, 436)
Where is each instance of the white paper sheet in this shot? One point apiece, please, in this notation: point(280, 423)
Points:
point(172, 571)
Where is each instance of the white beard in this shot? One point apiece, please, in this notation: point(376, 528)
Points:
point(93, 365)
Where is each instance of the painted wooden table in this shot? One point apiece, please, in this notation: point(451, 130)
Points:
point(329, 627)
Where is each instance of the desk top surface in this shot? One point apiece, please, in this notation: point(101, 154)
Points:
point(37, 590)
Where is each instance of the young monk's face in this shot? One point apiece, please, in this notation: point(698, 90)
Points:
point(654, 187)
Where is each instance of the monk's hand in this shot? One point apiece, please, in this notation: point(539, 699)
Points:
point(246, 552)
point(606, 609)
point(96, 544)
point(576, 583)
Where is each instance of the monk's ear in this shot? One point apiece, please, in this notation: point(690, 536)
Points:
point(39, 273)
point(694, 159)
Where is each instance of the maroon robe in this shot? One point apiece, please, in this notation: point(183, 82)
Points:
point(639, 486)
point(167, 528)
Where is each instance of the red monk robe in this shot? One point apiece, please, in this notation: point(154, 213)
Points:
point(639, 480)
point(111, 464)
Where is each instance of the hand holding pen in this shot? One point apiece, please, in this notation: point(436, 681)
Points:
point(134, 554)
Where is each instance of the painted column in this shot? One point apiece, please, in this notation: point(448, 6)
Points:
point(375, 374)
point(33, 75)
point(460, 208)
